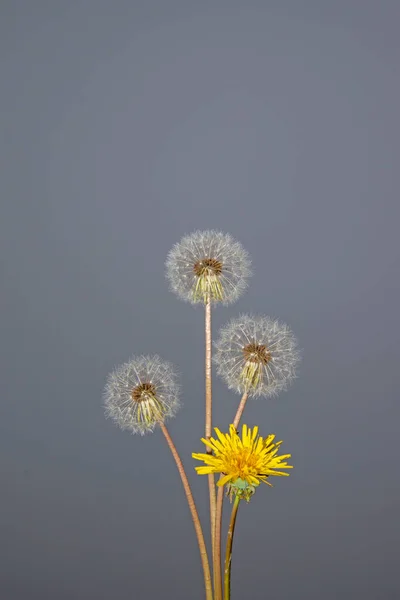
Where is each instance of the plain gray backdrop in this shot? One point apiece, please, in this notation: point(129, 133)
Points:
point(124, 126)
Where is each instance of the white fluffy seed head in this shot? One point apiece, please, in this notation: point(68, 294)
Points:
point(140, 393)
point(257, 355)
point(208, 264)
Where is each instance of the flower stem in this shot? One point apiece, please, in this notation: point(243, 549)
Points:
point(228, 552)
point(217, 556)
point(208, 431)
point(220, 499)
point(193, 510)
point(240, 410)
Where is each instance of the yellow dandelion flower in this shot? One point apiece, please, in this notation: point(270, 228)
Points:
point(244, 462)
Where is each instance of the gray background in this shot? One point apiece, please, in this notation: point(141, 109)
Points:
point(124, 126)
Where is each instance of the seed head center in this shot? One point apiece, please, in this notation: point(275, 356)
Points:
point(143, 392)
point(256, 353)
point(207, 266)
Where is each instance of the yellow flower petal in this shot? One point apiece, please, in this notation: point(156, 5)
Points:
point(220, 435)
point(224, 480)
point(249, 457)
point(204, 470)
point(254, 434)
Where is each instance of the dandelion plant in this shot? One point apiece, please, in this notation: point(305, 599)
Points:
point(254, 355)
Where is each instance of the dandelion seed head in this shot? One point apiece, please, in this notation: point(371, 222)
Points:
point(208, 264)
point(257, 355)
point(141, 393)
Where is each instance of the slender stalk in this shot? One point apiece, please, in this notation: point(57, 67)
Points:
point(240, 410)
point(228, 552)
point(217, 556)
point(220, 499)
point(193, 510)
point(208, 429)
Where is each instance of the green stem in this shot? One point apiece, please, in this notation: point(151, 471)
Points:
point(228, 553)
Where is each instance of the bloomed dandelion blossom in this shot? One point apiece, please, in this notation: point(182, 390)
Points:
point(244, 462)
point(141, 393)
point(256, 355)
point(208, 264)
